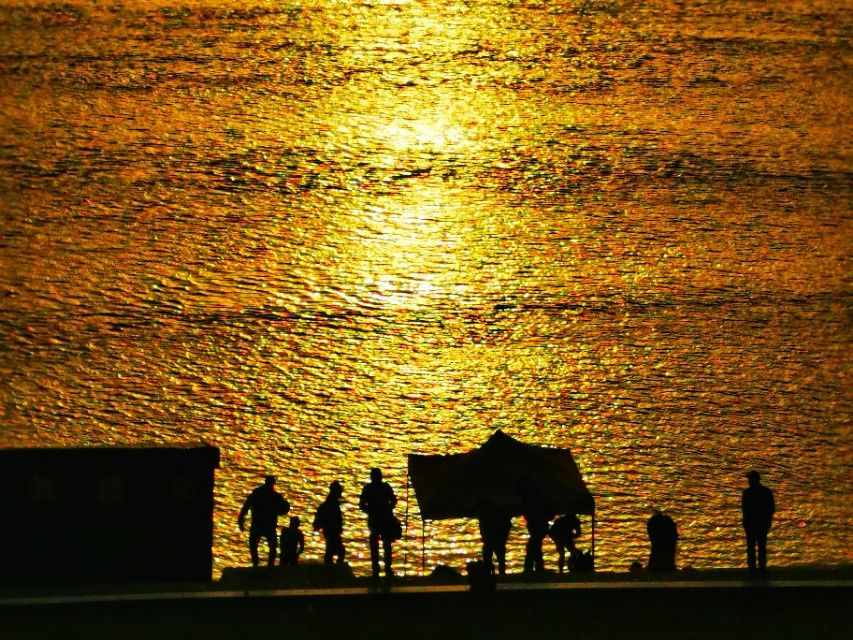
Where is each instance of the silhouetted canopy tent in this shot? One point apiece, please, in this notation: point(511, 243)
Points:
point(460, 485)
point(457, 485)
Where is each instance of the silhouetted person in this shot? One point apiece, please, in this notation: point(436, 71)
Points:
point(292, 543)
point(377, 501)
point(266, 505)
point(536, 516)
point(758, 508)
point(330, 520)
point(663, 536)
point(495, 524)
point(563, 532)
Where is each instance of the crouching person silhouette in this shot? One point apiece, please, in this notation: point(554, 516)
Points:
point(563, 532)
point(663, 536)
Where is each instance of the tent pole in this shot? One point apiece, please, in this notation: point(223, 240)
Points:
point(406, 534)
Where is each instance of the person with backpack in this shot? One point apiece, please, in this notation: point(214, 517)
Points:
point(330, 520)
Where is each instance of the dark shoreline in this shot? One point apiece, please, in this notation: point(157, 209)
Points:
point(797, 602)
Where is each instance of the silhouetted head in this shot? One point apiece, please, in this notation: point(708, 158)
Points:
point(336, 489)
point(269, 481)
point(294, 522)
point(376, 474)
point(754, 478)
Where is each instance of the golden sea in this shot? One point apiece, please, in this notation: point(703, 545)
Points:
point(324, 234)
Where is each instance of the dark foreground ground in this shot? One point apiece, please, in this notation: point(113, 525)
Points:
point(705, 605)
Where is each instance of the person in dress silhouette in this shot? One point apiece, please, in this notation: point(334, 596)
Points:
point(330, 520)
point(758, 507)
point(266, 505)
point(377, 501)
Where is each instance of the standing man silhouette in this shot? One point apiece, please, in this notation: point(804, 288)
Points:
point(377, 501)
point(538, 523)
point(495, 524)
point(266, 505)
point(758, 507)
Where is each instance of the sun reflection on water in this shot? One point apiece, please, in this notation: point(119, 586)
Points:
point(431, 135)
point(323, 235)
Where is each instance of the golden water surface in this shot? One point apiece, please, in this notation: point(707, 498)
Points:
point(322, 235)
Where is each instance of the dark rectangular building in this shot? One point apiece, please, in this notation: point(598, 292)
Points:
point(106, 515)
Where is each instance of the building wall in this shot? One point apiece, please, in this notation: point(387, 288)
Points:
point(107, 515)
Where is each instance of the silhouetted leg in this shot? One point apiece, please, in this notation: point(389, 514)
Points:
point(386, 548)
point(330, 552)
point(761, 540)
point(561, 553)
point(254, 540)
point(272, 541)
point(750, 551)
point(538, 560)
point(334, 547)
point(487, 556)
point(500, 551)
point(374, 553)
point(341, 551)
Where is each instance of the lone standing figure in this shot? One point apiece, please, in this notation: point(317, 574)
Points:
point(758, 507)
point(266, 505)
point(377, 501)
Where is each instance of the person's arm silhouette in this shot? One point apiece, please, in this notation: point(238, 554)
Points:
point(772, 505)
point(283, 506)
point(241, 519)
